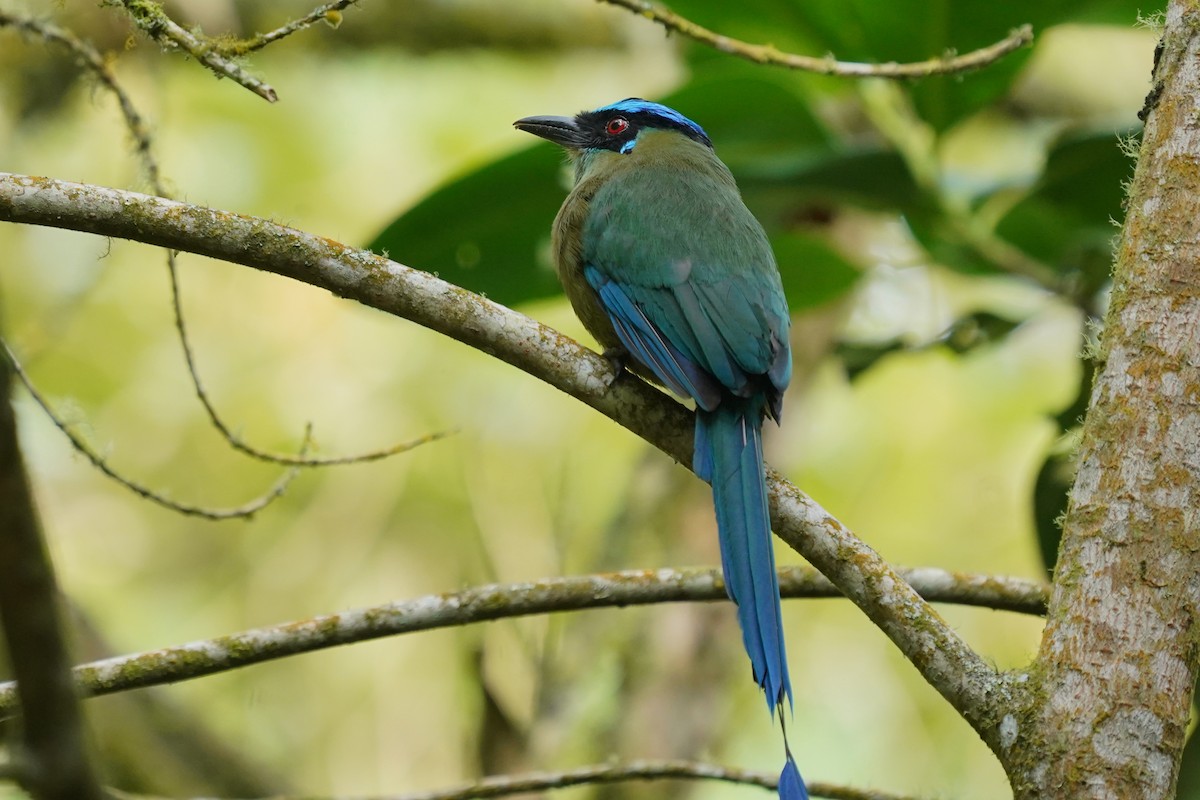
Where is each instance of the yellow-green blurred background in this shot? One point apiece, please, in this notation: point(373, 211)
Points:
point(930, 456)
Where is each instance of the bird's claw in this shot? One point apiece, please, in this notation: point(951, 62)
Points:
point(618, 359)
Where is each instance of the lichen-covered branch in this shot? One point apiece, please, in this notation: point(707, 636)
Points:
point(642, 770)
point(152, 20)
point(1107, 702)
point(329, 13)
point(956, 671)
point(945, 661)
point(52, 763)
point(499, 601)
point(769, 54)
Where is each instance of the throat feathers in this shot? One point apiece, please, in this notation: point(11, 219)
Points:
point(664, 264)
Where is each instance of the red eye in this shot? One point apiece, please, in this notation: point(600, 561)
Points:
point(616, 125)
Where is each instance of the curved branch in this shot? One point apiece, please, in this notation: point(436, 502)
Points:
point(769, 54)
point(301, 459)
point(640, 770)
point(958, 673)
point(498, 601)
point(244, 511)
point(970, 685)
point(140, 133)
point(91, 59)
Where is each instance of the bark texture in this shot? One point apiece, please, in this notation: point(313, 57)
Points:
point(1106, 703)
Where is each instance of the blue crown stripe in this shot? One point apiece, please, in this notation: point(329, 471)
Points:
point(634, 105)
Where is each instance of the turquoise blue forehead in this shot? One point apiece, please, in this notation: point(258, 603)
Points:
point(634, 106)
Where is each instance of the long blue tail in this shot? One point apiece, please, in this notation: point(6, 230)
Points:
point(728, 454)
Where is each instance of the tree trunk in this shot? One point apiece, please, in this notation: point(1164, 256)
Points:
point(1104, 708)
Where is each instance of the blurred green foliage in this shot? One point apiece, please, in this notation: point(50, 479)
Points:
point(799, 162)
point(934, 384)
point(1069, 218)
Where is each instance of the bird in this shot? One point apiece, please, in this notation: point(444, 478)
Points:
point(672, 274)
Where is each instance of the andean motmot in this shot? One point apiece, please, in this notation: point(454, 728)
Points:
point(664, 265)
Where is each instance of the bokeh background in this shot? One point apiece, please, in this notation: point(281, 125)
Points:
point(935, 392)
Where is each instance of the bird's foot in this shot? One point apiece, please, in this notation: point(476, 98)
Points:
point(618, 359)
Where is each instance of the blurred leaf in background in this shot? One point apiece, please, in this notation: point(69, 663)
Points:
point(802, 151)
point(940, 379)
point(1069, 219)
point(463, 235)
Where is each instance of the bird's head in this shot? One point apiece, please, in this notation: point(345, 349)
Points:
point(614, 127)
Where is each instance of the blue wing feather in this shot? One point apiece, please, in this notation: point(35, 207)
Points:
point(647, 344)
point(698, 266)
point(689, 284)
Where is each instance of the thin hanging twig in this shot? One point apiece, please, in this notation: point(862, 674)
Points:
point(144, 147)
point(248, 509)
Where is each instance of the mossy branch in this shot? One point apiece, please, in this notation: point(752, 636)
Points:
point(501, 601)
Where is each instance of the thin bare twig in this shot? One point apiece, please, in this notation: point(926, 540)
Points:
point(501, 601)
point(769, 54)
point(971, 685)
point(94, 62)
point(239, 444)
point(154, 22)
point(242, 511)
point(639, 770)
point(145, 151)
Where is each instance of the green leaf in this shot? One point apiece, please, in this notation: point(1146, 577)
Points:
point(1051, 490)
point(964, 335)
point(1189, 768)
point(729, 102)
point(1066, 220)
point(903, 31)
point(945, 243)
point(791, 202)
point(484, 231)
point(869, 178)
point(813, 272)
